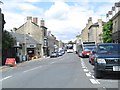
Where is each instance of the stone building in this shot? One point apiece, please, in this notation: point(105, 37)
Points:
point(61, 45)
point(84, 32)
point(95, 32)
point(30, 46)
point(116, 28)
point(51, 42)
point(44, 38)
point(31, 28)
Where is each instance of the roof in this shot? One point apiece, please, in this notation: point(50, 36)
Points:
point(96, 24)
point(116, 15)
point(21, 38)
point(43, 27)
point(26, 22)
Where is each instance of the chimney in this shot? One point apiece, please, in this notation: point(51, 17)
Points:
point(49, 33)
point(90, 19)
point(100, 22)
point(29, 18)
point(42, 22)
point(35, 20)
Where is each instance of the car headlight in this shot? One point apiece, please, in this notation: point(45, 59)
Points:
point(101, 61)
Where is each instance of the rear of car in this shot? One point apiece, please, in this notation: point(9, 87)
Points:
point(54, 54)
point(107, 59)
point(86, 51)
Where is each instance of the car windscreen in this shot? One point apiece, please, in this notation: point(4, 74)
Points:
point(87, 49)
point(112, 48)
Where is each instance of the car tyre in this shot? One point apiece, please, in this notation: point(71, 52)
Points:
point(97, 73)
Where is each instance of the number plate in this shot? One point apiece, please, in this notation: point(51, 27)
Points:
point(116, 68)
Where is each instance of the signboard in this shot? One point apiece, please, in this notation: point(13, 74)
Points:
point(31, 45)
point(10, 61)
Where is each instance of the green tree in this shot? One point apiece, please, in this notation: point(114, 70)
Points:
point(107, 32)
point(7, 40)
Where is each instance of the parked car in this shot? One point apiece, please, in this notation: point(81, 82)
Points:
point(92, 56)
point(60, 53)
point(54, 54)
point(86, 51)
point(107, 59)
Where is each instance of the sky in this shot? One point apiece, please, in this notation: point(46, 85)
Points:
point(64, 18)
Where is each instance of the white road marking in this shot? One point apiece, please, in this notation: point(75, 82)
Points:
point(53, 62)
point(93, 76)
point(88, 74)
point(6, 78)
point(84, 67)
point(85, 70)
point(93, 81)
point(32, 69)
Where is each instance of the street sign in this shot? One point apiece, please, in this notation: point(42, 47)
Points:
point(10, 61)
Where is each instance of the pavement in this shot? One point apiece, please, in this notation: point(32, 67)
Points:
point(18, 64)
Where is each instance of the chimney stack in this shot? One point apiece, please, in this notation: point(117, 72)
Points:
point(90, 19)
point(35, 20)
point(29, 18)
point(42, 22)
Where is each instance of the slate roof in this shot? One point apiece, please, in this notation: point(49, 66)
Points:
point(96, 24)
point(20, 38)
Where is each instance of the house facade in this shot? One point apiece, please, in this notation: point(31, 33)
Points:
point(84, 32)
point(51, 42)
point(32, 29)
point(116, 28)
point(30, 48)
point(95, 32)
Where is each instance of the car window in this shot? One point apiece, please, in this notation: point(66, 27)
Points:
point(109, 48)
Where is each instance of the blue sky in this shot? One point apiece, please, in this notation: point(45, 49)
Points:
point(64, 18)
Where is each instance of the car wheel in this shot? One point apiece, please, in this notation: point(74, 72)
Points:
point(97, 73)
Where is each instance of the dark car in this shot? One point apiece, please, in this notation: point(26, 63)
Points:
point(107, 58)
point(54, 54)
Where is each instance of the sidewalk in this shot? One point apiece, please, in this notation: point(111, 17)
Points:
point(6, 67)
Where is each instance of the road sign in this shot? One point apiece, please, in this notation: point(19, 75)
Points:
point(10, 61)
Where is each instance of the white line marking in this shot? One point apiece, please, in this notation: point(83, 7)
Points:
point(93, 76)
point(5, 78)
point(88, 74)
point(85, 70)
point(84, 67)
point(97, 81)
point(93, 81)
point(32, 69)
point(52, 62)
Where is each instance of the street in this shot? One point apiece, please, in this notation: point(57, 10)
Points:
point(67, 71)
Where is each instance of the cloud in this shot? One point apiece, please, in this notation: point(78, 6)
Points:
point(58, 10)
point(65, 20)
point(13, 20)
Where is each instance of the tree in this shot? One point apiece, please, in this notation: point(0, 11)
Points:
point(7, 45)
point(7, 40)
point(107, 32)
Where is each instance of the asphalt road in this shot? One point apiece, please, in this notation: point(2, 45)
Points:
point(67, 71)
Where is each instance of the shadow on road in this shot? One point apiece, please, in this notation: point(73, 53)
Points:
point(112, 75)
